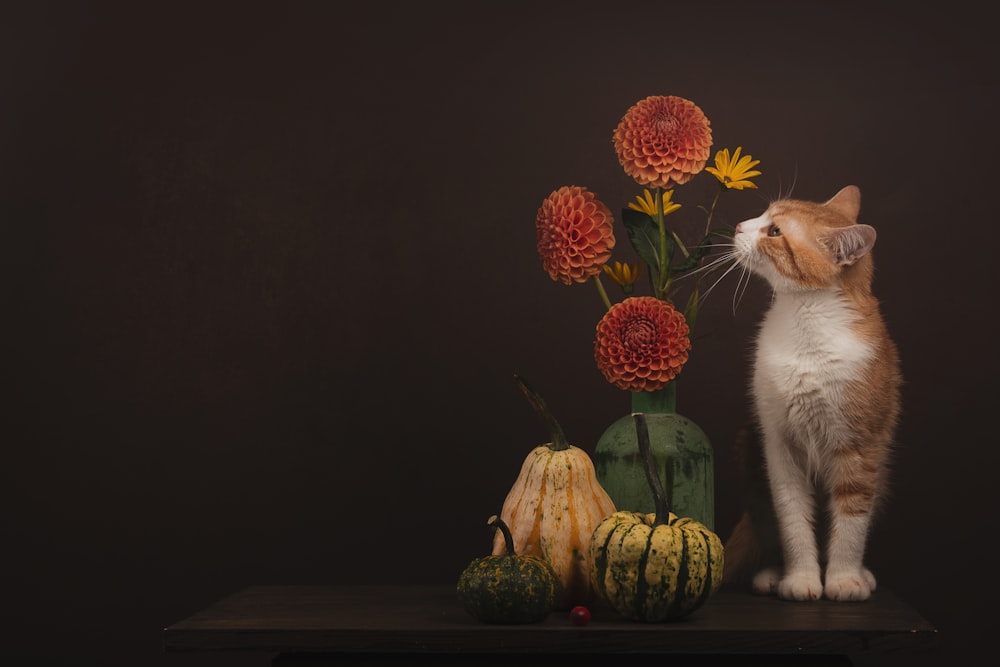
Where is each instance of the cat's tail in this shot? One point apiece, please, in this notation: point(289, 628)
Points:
point(753, 544)
point(742, 553)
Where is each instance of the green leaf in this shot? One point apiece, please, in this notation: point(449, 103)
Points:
point(695, 256)
point(698, 252)
point(691, 310)
point(644, 236)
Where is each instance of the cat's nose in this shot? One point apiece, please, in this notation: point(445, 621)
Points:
point(739, 228)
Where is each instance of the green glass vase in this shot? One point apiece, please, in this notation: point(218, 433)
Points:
point(682, 452)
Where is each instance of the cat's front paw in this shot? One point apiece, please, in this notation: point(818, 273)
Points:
point(849, 585)
point(766, 581)
point(800, 586)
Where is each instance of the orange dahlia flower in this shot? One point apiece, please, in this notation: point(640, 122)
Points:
point(642, 343)
point(575, 234)
point(663, 140)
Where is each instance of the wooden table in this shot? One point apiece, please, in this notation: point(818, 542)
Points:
point(395, 625)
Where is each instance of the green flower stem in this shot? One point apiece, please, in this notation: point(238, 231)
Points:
point(664, 267)
point(711, 211)
point(680, 244)
point(659, 401)
point(691, 311)
point(602, 292)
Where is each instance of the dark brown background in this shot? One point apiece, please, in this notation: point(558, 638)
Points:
point(268, 269)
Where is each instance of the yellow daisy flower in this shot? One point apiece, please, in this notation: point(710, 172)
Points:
point(734, 173)
point(647, 204)
point(624, 274)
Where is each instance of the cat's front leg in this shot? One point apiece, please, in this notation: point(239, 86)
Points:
point(800, 581)
point(849, 585)
point(802, 584)
point(854, 490)
point(794, 508)
point(846, 578)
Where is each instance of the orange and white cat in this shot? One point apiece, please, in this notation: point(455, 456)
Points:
point(826, 389)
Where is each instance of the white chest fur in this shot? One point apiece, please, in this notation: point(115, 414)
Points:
point(808, 354)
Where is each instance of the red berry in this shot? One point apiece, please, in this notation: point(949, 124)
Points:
point(580, 615)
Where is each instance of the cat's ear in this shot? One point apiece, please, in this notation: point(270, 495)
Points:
point(848, 244)
point(847, 202)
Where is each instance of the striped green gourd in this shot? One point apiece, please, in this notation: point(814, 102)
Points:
point(508, 588)
point(654, 567)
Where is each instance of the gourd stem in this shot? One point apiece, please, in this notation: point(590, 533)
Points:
point(646, 451)
point(508, 539)
point(556, 433)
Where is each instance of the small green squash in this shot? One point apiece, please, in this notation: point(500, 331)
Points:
point(508, 588)
point(654, 567)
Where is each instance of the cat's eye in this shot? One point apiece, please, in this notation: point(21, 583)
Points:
point(773, 230)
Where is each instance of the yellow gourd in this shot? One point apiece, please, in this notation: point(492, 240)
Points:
point(554, 506)
point(658, 566)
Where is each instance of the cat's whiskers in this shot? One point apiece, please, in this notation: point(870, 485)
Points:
point(744, 280)
point(714, 261)
point(728, 256)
